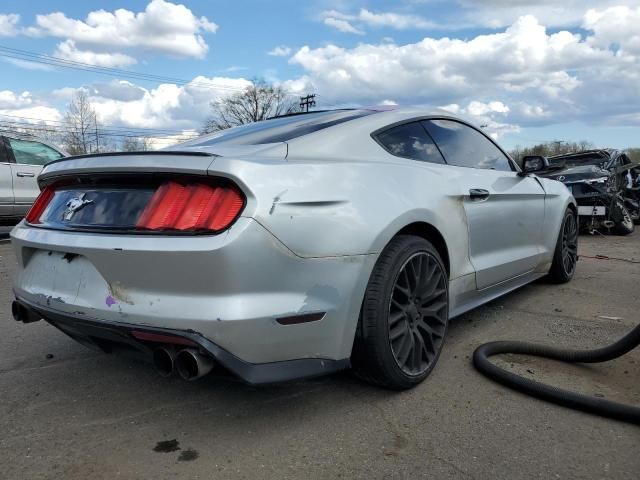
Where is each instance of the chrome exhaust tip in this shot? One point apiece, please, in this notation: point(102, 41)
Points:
point(191, 364)
point(164, 361)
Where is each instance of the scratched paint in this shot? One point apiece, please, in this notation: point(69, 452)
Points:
point(119, 293)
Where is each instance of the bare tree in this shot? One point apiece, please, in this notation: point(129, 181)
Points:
point(258, 101)
point(81, 126)
point(135, 144)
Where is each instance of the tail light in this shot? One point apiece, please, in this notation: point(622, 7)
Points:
point(199, 206)
point(34, 213)
point(185, 206)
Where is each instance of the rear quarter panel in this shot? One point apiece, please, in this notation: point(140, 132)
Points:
point(326, 208)
point(558, 198)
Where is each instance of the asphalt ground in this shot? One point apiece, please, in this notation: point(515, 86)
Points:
point(69, 413)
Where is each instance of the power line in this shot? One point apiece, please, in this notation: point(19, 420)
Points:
point(65, 129)
point(42, 58)
point(114, 127)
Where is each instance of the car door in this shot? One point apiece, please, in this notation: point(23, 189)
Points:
point(28, 159)
point(6, 182)
point(505, 212)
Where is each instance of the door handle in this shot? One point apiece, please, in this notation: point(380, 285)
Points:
point(25, 174)
point(478, 194)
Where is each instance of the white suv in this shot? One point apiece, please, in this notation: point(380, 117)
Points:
point(21, 160)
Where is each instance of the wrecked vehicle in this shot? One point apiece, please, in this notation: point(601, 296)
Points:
point(291, 247)
point(606, 185)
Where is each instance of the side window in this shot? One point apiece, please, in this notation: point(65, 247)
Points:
point(410, 141)
point(32, 153)
point(465, 147)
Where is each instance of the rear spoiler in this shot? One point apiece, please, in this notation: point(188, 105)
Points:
point(147, 152)
point(164, 161)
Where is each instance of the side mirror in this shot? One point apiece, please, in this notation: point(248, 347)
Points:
point(534, 163)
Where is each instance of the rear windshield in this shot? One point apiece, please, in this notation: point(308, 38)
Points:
point(278, 129)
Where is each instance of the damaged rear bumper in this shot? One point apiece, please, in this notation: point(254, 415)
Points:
point(242, 290)
point(112, 337)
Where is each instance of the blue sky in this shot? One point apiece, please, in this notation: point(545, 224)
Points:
point(529, 70)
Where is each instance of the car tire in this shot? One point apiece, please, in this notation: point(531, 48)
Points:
point(404, 315)
point(565, 256)
point(626, 225)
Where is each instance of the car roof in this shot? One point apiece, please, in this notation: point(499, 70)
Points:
point(353, 140)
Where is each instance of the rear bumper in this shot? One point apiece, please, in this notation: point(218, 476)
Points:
point(229, 289)
point(115, 336)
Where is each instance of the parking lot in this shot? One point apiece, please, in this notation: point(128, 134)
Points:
point(67, 412)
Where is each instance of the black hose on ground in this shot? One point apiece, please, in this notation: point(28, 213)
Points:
point(599, 406)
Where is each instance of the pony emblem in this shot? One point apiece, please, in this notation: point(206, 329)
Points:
point(74, 205)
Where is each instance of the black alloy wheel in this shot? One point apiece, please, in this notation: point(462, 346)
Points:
point(570, 245)
point(565, 255)
point(417, 313)
point(404, 316)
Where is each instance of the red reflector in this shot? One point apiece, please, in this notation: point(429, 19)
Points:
point(191, 207)
point(160, 338)
point(34, 213)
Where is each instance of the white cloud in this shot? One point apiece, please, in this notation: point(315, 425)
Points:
point(488, 116)
point(393, 20)
point(24, 107)
point(559, 75)
point(280, 51)
point(26, 64)
point(617, 26)
point(8, 23)
point(120, 90)
point(38, 114)
point(478, 108)
point(345, 22)
point(162, 28)
point(166, 106)
point(342, 25)
point(125, 104)
point(68, 51)
point(518, 76)
point(501, 13)
point(9, 99)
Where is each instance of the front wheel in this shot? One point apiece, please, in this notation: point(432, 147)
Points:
point(565, 256)
point(404, 315)
point(624, 224)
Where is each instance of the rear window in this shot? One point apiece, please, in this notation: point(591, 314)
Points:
point(410, 140)
point(279, 129)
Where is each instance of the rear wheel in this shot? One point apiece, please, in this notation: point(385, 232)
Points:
point(404, 315)
point(565, 256)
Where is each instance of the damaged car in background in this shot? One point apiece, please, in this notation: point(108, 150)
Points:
point(605, 184)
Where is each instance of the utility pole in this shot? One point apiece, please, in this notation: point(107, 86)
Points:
point(558, 144)
point(306, 102)
point(95, 122)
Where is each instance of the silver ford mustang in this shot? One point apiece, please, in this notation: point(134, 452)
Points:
point(291, 247)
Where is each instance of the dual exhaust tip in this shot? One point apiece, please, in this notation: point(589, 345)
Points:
point(189, 363)
point(23, 314)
